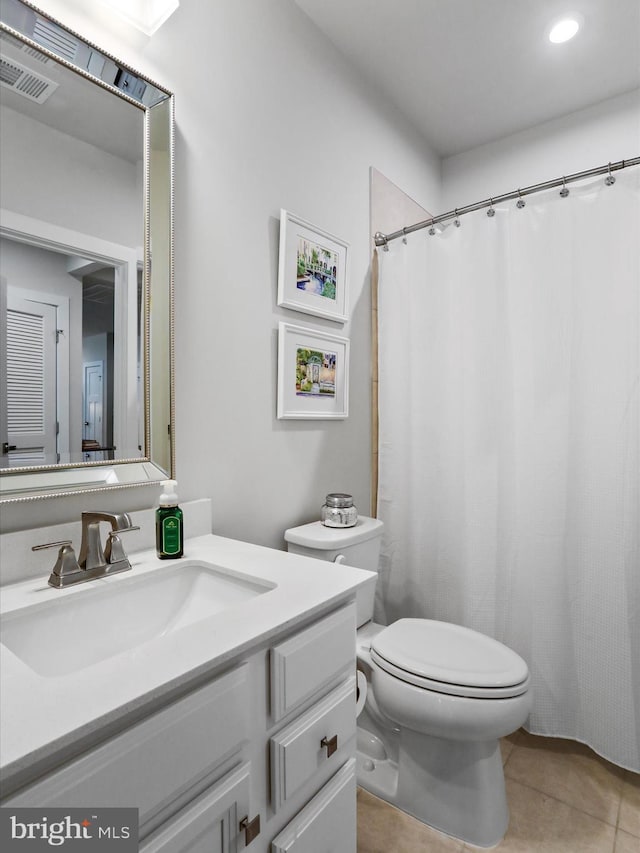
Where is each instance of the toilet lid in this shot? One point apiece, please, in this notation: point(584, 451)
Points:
point(449, 658)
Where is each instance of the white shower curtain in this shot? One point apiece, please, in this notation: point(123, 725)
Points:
point(509, 469)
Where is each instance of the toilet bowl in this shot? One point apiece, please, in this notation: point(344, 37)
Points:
point(439, 698)
point(448, 681)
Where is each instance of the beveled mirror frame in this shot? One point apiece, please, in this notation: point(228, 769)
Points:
point(60, 480)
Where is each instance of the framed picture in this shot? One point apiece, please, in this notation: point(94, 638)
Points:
point(312, 271)
point(313, 373)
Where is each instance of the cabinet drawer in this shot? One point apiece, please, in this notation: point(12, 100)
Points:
point(301, 665)
point(327, 822)
point(156, 760)
point(211, 824)
point(297, 752)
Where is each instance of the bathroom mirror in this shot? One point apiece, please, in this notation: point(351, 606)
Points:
point(86, 318)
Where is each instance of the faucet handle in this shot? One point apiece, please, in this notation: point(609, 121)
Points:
point(66, 564)
point(114, 552)
point(50, 545)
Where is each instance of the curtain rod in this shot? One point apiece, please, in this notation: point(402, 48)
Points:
point(383, 239)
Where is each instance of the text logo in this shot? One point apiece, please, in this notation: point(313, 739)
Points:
point(108, 829)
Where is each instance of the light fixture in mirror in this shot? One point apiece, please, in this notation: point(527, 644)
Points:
point(86, 363)
point(146, 15)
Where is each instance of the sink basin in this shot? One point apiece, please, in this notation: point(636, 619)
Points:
point(109, 617)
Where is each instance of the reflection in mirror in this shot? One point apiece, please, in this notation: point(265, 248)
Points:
point(64, 356)
point(86, 194)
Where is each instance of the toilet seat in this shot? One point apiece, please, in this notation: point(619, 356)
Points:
point(449, 659)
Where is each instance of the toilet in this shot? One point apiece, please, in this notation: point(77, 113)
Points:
point(438, 699)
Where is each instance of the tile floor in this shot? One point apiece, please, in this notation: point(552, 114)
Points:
point(563, 798)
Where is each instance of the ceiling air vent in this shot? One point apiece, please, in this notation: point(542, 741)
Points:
point(55, 39)
point(23, 48)
point(25, 82)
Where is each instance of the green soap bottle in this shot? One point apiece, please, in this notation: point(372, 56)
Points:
point(169, 532)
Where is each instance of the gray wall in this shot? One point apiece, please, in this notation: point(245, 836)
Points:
point(250, 76)
point(247, 74)
point(606, 132)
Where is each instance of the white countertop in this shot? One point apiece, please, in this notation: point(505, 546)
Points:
point(45, 720)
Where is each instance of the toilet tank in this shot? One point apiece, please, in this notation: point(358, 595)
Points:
point(357, 546)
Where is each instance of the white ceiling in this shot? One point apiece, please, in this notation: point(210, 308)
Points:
point(466, 72)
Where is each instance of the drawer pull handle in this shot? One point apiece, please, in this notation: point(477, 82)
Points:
point(251, 828)
point(331, 745)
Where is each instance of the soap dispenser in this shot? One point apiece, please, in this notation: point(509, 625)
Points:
point(169, 533)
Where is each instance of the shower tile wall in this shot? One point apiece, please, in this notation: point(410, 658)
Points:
point(563, 798)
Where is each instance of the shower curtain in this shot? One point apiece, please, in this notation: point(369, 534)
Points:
point(509, 469)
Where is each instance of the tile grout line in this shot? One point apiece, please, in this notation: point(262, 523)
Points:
point(619, 808)
point(565, 803)
point(622, 829)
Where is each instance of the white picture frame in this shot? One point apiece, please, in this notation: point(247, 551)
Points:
point(313, 374)
point(312, 270)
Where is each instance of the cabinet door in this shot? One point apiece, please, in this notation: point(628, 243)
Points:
point(303, 664)
point(211, 823)
point(327, 824)
point(157, 760)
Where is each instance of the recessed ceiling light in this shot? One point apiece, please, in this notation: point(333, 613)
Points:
point(147, 15)
point(565, 29)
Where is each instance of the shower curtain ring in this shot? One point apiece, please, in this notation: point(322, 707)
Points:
point(609, 180)
point(432, 230)
point(564, 192)
point(456, 221)
point(521, 202)
point(491, 211)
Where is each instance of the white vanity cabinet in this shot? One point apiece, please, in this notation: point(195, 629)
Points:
point(261, 756)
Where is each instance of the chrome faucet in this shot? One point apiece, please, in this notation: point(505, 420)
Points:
point(93, 562)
